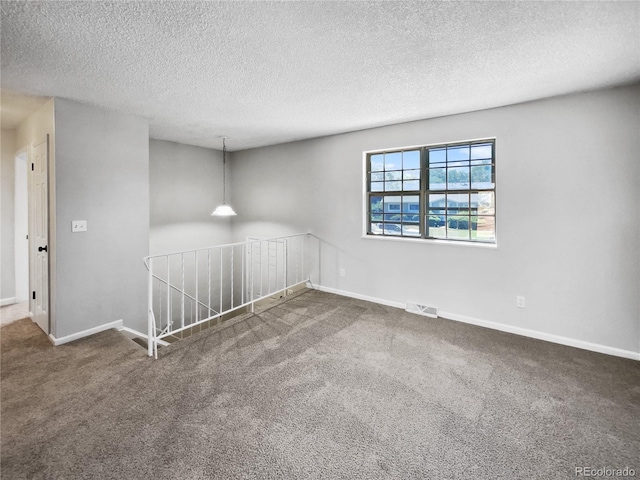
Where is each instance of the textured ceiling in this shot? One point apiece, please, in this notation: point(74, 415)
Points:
point(270, 72)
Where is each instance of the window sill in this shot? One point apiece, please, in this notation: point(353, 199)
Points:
point(491, 246)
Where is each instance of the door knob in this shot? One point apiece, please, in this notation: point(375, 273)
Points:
point(40, 249)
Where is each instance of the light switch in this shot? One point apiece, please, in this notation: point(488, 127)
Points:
point(78, 226)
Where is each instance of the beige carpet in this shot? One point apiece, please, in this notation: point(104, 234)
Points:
point(320, 386)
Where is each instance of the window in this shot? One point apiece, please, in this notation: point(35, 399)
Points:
point(434, 192)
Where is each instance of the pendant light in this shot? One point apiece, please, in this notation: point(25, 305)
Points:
point(224, 210)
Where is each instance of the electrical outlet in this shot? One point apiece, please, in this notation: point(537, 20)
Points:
point(519, 301)
point(78, 226)
point(343, 272)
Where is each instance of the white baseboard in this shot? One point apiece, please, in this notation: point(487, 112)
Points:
point(85, 333)
point(548, 337)
point(8, 301)
point(570, 342)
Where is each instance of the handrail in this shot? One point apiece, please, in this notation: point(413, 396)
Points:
point(246, 242)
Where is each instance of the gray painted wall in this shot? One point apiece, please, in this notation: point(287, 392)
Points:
point(568, 191)
point(185, 187)
point(7, 239)
point(102, 176)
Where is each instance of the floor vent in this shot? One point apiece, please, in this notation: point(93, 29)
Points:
point(425, 310)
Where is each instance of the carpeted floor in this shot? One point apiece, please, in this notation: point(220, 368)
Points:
point(320, 387)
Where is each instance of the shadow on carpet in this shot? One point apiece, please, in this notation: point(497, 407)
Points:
point(319, 386)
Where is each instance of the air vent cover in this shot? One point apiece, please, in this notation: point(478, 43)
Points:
point(425, 310)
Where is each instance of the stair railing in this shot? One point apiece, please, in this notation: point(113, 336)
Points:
point(193, 287)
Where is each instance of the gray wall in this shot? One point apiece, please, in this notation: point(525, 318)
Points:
point(7, 240)
point(102, 176)
point(185, 187)
point(568, 188)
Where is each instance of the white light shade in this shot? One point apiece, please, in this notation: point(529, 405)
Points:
point(224, 211)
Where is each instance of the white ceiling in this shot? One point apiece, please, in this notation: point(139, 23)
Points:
point(264, 73)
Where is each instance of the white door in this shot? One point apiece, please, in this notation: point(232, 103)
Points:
point(39, 235)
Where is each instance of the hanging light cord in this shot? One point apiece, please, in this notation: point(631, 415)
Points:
point(224, 171)
point(224, 210)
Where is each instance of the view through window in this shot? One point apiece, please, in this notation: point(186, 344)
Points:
point(443, 191)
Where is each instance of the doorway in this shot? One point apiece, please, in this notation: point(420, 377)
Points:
point(21, 227)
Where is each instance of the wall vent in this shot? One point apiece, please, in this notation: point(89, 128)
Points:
point(425, 310)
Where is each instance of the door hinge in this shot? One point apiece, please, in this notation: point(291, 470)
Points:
point(27, 237)
point(32, 167)
point(34, 295)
